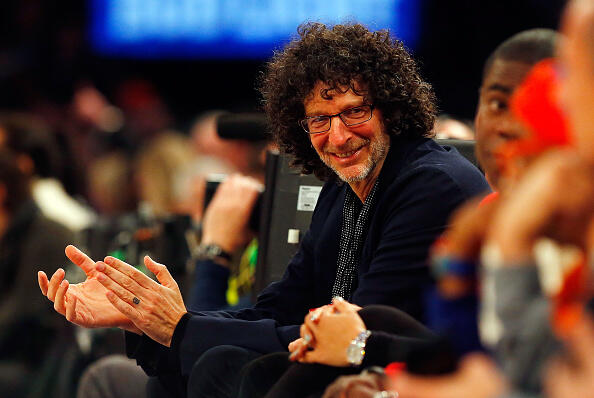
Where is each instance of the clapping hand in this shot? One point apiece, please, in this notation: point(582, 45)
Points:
point(83, 304)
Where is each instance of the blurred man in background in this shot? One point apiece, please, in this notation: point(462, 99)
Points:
point(31, 342)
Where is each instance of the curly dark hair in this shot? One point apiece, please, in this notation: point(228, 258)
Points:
point(343, 56)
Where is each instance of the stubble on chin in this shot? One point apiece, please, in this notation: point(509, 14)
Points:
point(377, 151)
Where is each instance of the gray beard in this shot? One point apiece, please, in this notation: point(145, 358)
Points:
point(378, 151)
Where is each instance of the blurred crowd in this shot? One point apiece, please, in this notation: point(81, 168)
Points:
point(129, 201)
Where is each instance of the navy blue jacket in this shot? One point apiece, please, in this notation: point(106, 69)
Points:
point(419, 185)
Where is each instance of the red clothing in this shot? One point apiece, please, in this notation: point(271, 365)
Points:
point(489, 198)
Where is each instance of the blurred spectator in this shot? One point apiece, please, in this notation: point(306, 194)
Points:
point(504, 70)
point(245, 157)
point(553, 199)
point(447, 127)
point(145, 112)
point(110, 186)
point(189, 184)
point(157, 165)
point(153, 224)
point(39, 158)
point(28, 240)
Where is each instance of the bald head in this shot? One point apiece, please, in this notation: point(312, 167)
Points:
point(527, 47)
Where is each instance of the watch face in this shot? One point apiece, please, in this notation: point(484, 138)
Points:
point(213, 250)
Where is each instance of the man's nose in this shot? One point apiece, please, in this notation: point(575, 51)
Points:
point(339, 133)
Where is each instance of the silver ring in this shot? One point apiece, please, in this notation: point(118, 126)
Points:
point(136, 300)
point(385, 394)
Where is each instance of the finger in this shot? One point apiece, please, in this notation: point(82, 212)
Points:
point(126, 272)
point(71, 309)
point(60, 297)
point(252, 183)
point(54, 283)
point(306, 334)
point(113, 286)
point(298, 350)
point(43, 282)
point(125, 308)
point(342, 305)
point(309, 356)
point(314, 316)
point(294, 344)
point(312, 320)
point(80, 259)
point(161, 272)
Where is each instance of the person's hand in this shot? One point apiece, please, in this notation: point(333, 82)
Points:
point(554, 199)
point(573, 375)
point(461, 243)
point(300, 346)
point(226, 218)
point(477, 377)
point(154, 308)
point(83, 304)
point(467, 230)
point(331, 331)
point(364, 385)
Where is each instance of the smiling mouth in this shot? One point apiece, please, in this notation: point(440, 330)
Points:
point(345, 154)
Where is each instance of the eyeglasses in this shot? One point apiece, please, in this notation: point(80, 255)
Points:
point(350, 117)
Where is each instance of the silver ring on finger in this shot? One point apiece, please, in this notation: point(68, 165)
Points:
point(136, 300)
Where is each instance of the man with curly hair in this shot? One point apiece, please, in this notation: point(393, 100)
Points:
point(350, 106)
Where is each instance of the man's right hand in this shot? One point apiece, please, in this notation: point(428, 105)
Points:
point(227, 216)
point(83, 304)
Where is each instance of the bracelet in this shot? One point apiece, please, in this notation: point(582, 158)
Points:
point(356, 350)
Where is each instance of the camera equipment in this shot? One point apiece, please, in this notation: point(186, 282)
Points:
point(212, 183)
point(243, 126)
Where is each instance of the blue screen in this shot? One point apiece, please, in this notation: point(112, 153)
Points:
point(231, 28)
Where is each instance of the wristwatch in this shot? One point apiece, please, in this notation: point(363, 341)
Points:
point(210, 252)
point(356, 350)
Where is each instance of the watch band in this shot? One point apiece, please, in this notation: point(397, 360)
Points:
point(356, 350)
point(211, 252)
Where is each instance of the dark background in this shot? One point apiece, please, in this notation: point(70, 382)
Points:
point(45, 55)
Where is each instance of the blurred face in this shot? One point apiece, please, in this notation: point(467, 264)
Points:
point(577, 89)
point(355, 153)
point(495, 125)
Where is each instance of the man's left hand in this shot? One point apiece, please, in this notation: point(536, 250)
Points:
point(154, 308)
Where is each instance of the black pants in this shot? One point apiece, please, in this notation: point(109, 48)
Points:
point(217, 372)
point(295, 380)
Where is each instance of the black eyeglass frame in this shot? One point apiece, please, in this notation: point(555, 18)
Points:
point(303, 122)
